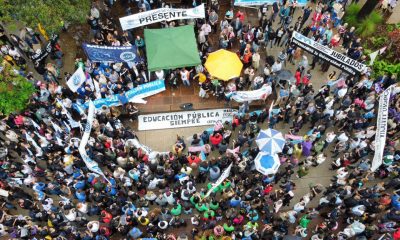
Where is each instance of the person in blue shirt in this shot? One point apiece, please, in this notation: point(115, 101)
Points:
point(234, 202)
point(80, 195)
point(396, 200)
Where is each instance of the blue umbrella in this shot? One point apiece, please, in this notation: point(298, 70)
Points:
point(270, 141)
point(267, 164)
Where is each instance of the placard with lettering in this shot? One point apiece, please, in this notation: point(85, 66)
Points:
point(337, 59)
point(185, 119)
point(159, 15)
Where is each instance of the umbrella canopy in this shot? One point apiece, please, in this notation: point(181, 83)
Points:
point(270, 141)
point(286, 75)
point(224, 65)
point(267, 164)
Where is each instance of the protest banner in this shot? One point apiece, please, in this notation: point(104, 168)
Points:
point(203, 148)
point(90, 164)
point(41, 55)
point(381, 128)
point(247, 96)
point(336, 59)
point(133, 95)
point(185, 119)
point(159, 15)
point(76, 80)
point(97, 53)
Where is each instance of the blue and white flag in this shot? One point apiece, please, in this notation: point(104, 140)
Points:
point(134, 95)
point(76, 80)
point(90, 164)
point(248, 96)
point(97, 53)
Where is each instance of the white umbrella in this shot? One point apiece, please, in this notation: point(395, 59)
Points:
point(270, 141)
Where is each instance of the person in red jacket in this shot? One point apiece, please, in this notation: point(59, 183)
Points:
point(106, 216)
point(297, 76)
point(216, 139)
point(235, 122)
point(396, 235)
point(193, 159)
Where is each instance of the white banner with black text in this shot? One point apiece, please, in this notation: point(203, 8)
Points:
point(336, 59)
point(159, 15)
point(381, 128)
point(185, 119)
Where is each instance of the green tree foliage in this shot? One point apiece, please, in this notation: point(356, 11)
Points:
point(384, 67)
point(49, 13)
point(366, 26)
point(15, 91)
point(351, 14)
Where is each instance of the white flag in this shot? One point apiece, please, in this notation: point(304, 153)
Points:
point(35, 124)
point(373, 55)
point(76, 80)
point(56, 127)
point(221, 178)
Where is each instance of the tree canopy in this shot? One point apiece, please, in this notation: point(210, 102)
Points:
point(15, 90)
point(51, 14)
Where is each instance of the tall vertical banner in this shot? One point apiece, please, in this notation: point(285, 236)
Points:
point(381, 128)
point(159, 15)
point(90, 164)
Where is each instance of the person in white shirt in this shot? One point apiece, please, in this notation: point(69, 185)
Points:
point(160, 74)
point(201, 37)
point(276, 67)
point(71, 215)
point(354, 143)
point(93, 226)
point(206, 28)
point(342, 137)
point(185, 77)
point(340, 115)
point(267, 71)
point(257, 82)
point(329, 138)
point(13, 52)
point(342, 173)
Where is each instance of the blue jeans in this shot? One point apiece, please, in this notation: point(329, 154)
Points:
point(186, 82)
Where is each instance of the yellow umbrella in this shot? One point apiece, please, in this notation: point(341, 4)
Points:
point(224, 65)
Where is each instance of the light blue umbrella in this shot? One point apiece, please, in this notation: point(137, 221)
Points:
point(270, 141)
point(267, 164)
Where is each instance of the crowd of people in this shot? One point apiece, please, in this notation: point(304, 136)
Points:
point(48, 192)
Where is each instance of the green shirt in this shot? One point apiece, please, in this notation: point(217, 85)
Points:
point(201, 207)
point(176, 210)
point(304, 221)
point(214, 206)
point(228, 228)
